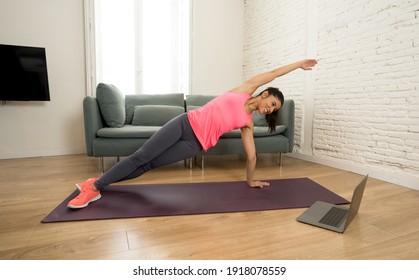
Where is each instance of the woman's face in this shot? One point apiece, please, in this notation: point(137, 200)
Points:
point(268, 104)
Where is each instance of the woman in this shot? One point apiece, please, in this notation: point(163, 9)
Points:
point(190, 133)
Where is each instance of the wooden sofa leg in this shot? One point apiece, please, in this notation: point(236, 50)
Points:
point(189, 163)
point(200, 161)
point(280, 159)
point(101, 165)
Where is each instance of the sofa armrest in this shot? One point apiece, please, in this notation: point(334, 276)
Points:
point(92, 122)
point(286, 116)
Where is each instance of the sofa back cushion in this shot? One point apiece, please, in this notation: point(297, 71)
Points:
point(197, 100)
point(170, 99)
point(111, 104)
point(155, 115)
point(259, 119)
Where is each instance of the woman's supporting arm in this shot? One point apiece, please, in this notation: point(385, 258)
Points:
point(249, 147)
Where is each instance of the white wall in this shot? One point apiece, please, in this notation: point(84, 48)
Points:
point(359, 109)
point(217, 46)
point(46, 128)
point(30, 129)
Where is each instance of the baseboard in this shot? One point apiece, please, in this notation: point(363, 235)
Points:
point(399, 178)
point(41, 153)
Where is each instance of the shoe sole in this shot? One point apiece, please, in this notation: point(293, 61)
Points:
point(84, 205)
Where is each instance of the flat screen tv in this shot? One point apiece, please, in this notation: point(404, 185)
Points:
point(23, 74)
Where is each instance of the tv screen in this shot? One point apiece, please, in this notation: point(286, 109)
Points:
point(23, 74)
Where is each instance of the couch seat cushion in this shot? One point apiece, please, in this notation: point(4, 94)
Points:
point(260, 131)
point(132, 131)
point(128, 131)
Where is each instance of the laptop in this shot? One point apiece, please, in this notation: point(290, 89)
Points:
point(334, 217)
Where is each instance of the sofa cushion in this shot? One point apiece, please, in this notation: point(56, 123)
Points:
point(170, 99)
point(259, 131)
point(132, 131)
point(111, 104)
point(128, 131)
point(198, 99)
point(191, 107)
point(259, 119)
point(155, 115)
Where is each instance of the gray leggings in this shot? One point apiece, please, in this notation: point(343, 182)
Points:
point(175, 141)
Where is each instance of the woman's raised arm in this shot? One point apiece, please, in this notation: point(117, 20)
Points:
point(253, 83)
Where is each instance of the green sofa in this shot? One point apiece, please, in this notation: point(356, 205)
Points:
point(116, 126)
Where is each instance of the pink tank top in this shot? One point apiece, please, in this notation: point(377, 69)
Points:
point(222, 114)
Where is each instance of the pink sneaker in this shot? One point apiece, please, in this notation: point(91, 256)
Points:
point(87, 183)
point(86, 196)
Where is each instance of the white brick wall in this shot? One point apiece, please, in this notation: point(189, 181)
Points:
point(275, 34)
point(366, 86)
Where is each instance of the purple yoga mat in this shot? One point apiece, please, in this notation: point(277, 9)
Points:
point(129, 201)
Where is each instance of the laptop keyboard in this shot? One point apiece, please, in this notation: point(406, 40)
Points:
point(334, 217)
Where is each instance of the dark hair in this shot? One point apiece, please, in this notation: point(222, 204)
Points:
point(271, 118)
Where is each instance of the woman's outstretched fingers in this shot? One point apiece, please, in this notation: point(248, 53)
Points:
point(259, 184)
point(308, 64)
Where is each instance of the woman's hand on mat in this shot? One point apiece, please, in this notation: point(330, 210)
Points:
point(258, 184)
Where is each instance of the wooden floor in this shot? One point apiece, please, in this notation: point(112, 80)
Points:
point(387, 226)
